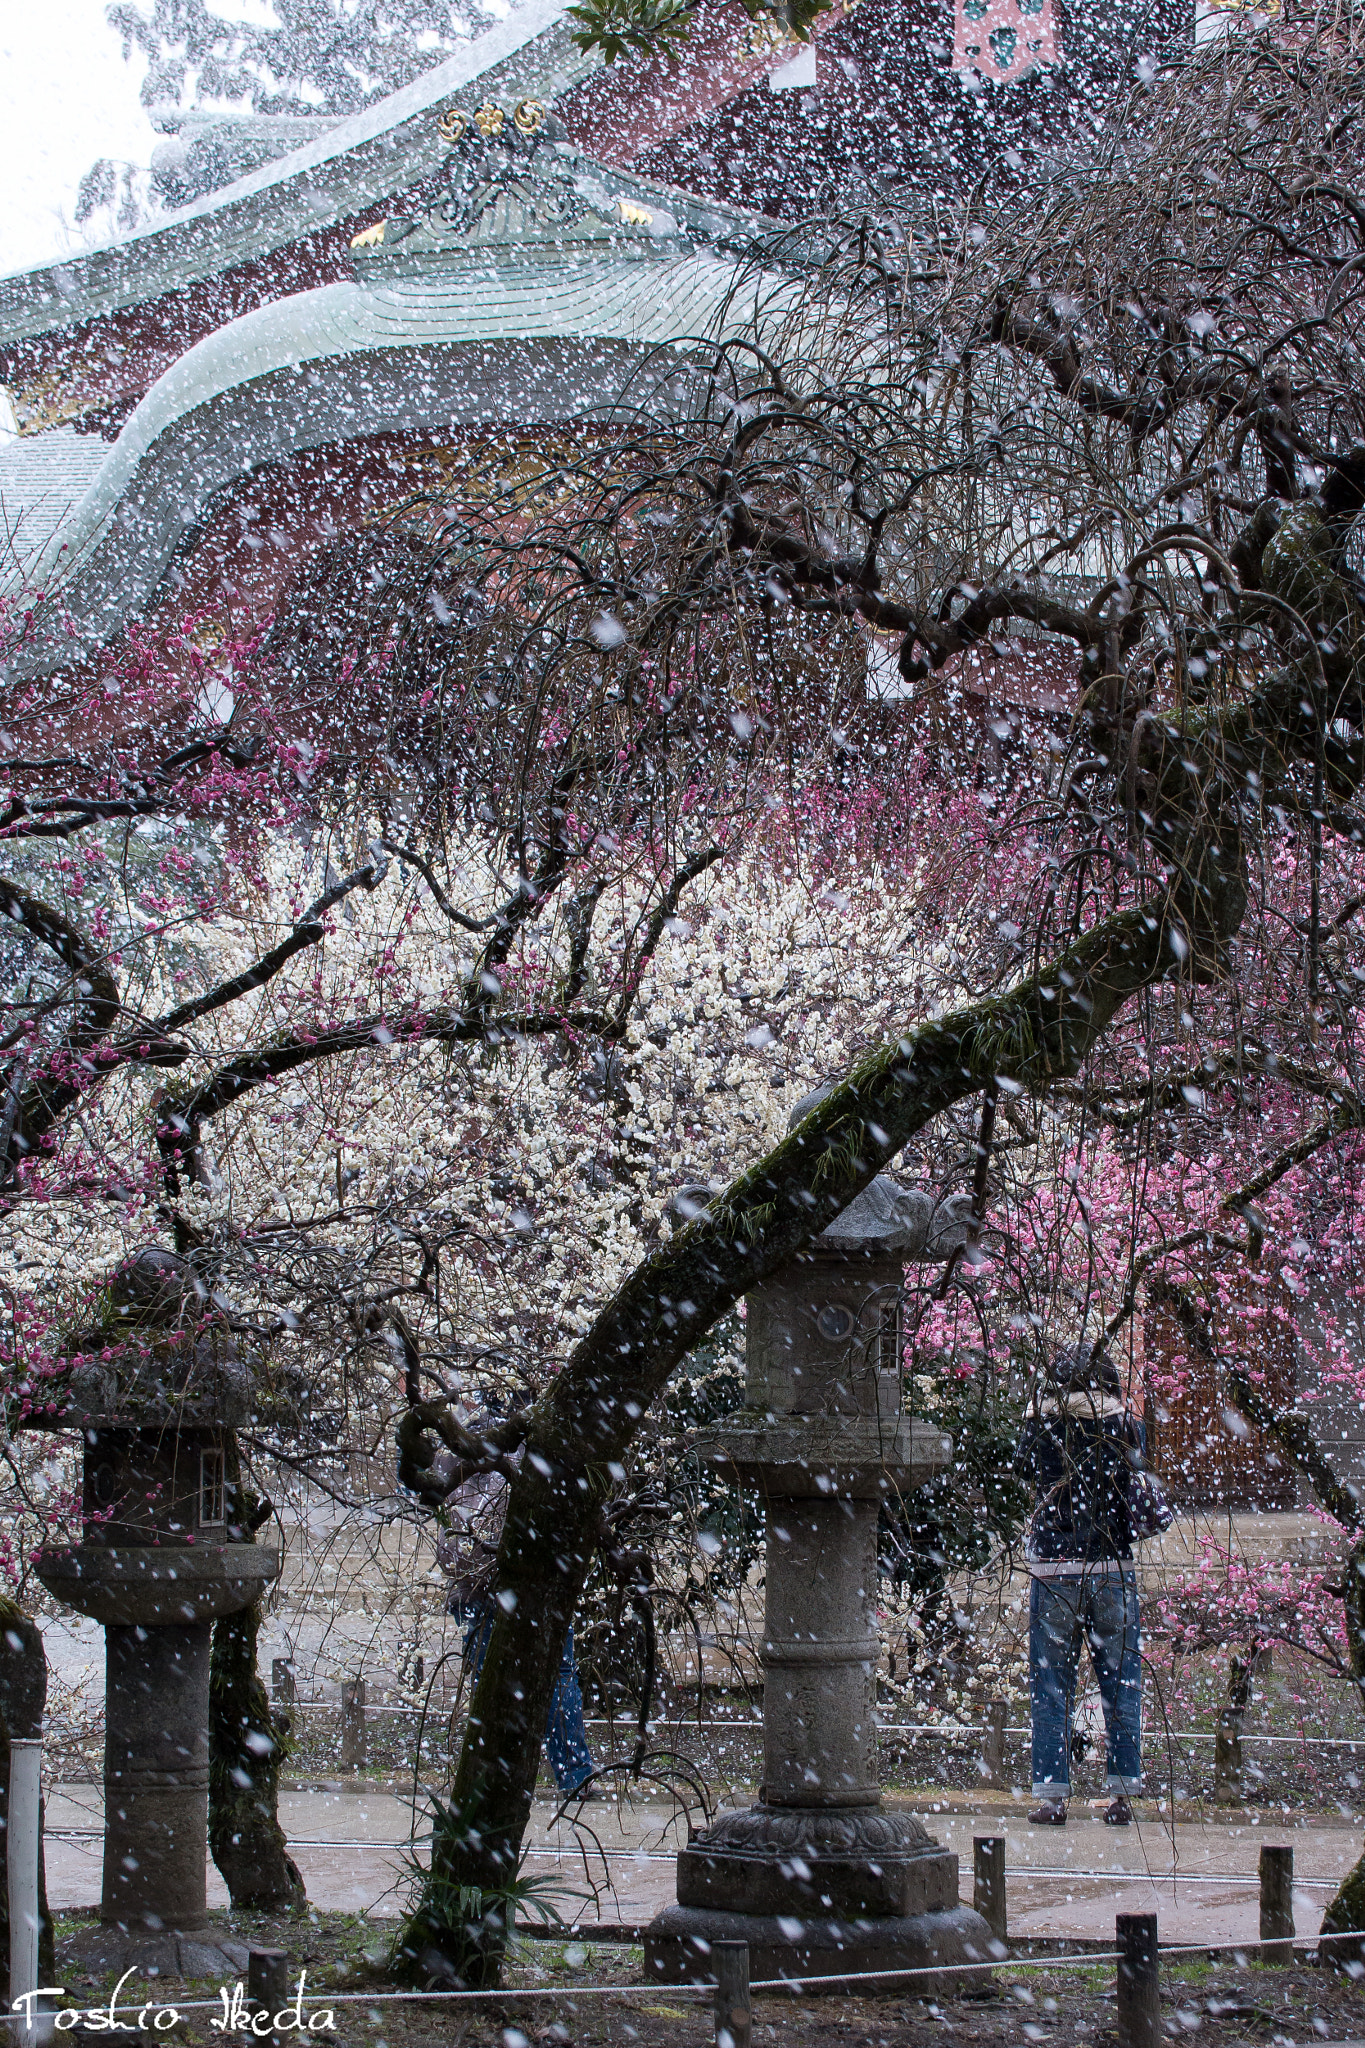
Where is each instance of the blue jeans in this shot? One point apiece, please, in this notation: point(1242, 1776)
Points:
point(1102, 1607)
point(566, 1739)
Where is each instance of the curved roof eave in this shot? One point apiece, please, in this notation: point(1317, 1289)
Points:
point(494, 341)
point(362, 161)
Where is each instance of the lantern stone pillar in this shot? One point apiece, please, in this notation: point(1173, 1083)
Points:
point(158, 1604)
point(820, 1877)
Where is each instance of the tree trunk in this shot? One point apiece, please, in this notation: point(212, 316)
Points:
point(23, 1695)
point(1229, 1764)
point(1343, 1924)
point(247, 1744)
point(1346, 1915)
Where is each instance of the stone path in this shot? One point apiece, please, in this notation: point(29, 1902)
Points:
point(1203, 1885)
point(613, 1866)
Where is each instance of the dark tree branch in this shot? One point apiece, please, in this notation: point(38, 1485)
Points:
point(697, 864)
point(439, 897)
point(96, 1004)
point(306, 932)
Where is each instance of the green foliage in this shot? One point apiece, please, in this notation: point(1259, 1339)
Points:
point(456, 1933)
point(620, 28)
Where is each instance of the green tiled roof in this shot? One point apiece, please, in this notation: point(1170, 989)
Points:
point(519, 331)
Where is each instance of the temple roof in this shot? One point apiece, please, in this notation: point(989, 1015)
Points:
point(531, 293)
point(735, 112)
point(529, 243)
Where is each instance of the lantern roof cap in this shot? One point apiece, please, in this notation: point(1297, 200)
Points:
point(888, 1217)
point(911, 1222)
point(153, 1360)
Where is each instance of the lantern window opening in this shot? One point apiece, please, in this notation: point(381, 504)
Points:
point(212, 1490)
point(891, 1335)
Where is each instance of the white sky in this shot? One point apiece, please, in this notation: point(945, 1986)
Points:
point(67, 97)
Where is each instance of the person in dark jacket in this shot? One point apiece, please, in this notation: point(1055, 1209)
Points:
point(1079, 1446)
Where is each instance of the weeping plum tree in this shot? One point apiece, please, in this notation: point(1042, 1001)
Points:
point(305, 1110)
point(1112, 433)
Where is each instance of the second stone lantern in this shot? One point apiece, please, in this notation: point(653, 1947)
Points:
point(820, 1877)
point(163, 1553)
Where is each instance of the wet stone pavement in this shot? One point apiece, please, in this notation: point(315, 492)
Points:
point(611, 1863)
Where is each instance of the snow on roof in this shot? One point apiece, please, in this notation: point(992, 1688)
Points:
point(363, 160)
point(42, 477)
point(539, 308)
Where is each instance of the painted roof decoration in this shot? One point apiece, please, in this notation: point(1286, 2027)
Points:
point(357, 164)
point(1001, 40)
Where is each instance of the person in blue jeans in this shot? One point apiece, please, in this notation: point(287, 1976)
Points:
point(467, 1550)
point(1078, 1447)
point(566, 1737)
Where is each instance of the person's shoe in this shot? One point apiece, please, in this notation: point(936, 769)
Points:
point(1118, 1813)
point(1051, 1814)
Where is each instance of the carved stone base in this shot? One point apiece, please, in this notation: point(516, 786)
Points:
point(180, 1957)
point(819, 1893)
point(847, 1861)
point(678, 1948)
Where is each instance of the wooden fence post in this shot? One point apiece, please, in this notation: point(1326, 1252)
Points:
point(1139, 1980)
point(988, 1881)
point(267, 1983)
point(1277, 1904)
point(734, 2012)
point(23, 1849)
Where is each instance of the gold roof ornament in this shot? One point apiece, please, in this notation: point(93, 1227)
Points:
point(370, 238)
point(490, 120)
point(635, 216)
point(765, 38)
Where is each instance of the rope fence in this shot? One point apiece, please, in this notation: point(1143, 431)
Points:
point(1136, 1954)
point(846, 1979)
point(1136, 1957)
point(956, 1731)
point(1021, 1872)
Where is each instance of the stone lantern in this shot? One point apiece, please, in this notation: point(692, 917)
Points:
point(819, 1877)
point(164, 1552)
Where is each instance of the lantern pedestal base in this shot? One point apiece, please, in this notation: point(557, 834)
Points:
point(678, 1948)
point(171, 1955)
point(819, 1892)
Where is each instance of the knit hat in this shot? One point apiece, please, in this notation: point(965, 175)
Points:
point(1085, 1368)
